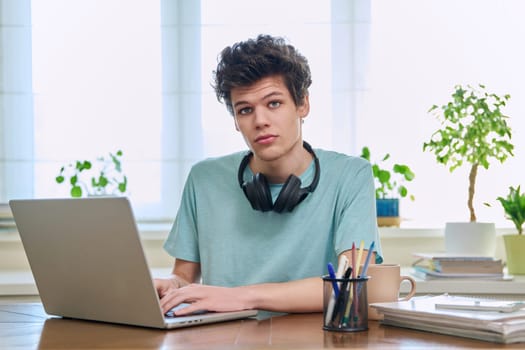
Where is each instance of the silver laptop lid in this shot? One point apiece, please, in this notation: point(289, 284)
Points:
point(87, 259)
point(88, 263)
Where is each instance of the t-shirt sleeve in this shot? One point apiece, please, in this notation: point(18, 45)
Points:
point(182, 241)
point(357, 217)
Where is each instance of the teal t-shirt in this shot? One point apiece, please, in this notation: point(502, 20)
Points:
point(237, 245)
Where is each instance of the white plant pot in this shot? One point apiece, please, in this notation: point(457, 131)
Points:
point(470, 238)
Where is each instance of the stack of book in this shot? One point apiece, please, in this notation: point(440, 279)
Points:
point(441, 265)
point(489, 320)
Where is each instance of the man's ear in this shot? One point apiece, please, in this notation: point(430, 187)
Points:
point(304, 108)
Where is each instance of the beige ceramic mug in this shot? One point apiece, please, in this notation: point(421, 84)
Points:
point(384, 284)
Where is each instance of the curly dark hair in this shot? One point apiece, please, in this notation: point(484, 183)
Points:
point(247, 62)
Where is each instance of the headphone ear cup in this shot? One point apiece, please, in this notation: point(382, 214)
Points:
point(258, 193)
point(290, 195)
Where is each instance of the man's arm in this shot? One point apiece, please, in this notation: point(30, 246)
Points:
point(295, 296)
point(304, 295)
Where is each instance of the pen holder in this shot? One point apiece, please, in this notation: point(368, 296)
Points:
point(345, 304)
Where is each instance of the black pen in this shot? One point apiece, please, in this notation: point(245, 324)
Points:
point(343, 295)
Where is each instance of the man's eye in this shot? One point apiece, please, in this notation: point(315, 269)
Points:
point(274, 104)
point(244, 111)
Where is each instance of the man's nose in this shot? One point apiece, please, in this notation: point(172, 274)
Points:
point(260, 117)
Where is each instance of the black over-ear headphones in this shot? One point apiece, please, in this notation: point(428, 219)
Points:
point(258, 191)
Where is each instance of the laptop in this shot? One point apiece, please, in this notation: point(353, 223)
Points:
point(88, 263)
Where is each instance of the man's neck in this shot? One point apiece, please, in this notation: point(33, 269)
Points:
point(277, 171)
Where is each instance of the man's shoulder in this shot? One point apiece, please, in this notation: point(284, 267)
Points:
point(345, 170)
point(226, 162)
point(338, 159)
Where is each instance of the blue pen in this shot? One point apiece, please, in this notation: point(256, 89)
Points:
point(342, 265)
point(365, 267)
point(367, 260)
point(331, 272)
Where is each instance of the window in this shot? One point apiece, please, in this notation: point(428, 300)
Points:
point(100, 69)
point(97, 89)
point(419, 51)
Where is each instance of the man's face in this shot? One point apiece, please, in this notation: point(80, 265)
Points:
point(268, 118)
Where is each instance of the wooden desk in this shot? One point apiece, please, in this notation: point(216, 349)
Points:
point(27, 326)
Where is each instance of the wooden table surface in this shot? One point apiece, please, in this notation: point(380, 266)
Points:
point(26, 326)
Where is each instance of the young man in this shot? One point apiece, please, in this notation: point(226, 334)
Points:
point(256, 230)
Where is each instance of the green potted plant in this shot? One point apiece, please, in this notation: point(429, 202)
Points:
point(514, 207)
point(474, 130)
point(390, 187)
point(99, 178)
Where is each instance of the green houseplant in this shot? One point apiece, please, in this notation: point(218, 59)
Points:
point(514, 208)
point(102, 177)
point(473, 130)
point(389, 187)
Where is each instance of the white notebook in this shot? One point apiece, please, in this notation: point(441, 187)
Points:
point(425, 313)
